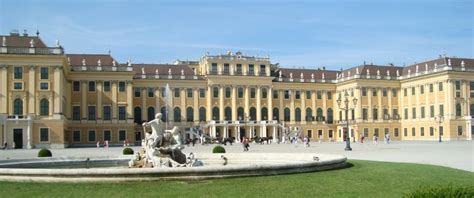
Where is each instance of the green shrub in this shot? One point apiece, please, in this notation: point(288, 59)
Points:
point(44, 153)
point(440, 191)
point(127, 151)
point(218, 149)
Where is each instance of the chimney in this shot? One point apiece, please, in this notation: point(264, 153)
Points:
point(25, 33)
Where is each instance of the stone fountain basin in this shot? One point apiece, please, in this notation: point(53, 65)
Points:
point(65, 169)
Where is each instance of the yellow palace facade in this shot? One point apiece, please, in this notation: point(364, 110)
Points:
point(52, 99)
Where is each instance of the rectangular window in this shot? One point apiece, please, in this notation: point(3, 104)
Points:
point(215, 92)
point(375, 114)
point(422, 112)
point(91, 113)
point(227, 92)
point(251, 70)
point(214, 68)
point(238, 69)
point(202, 93)
point(226, 68)
point(18, 86)
point(44, 73)
point(413, 91)
point(384, 92)
point(18, 72)
point(151, 92)
point(458, 85)
point(122, 113)
point(122, 135)
point(275, 94)
point(76, 113)
point(330, 134)
point(240, 92)
point(264, 93)
point(76, 136)
point(91, 136)
point(91, 86)
point(422, 89)
point(413, 131)
point(422, 131)
point(431, 88)
point(310, 133)
point(287, 94)
point(190, 92)
point(386, 116)
point(440, 86)
point(432, 111)
point(460, 131)
point(262, 70)
point(431, 131)
point(76, 86)
point(395, 114)
point(107, 113)
point(308, 95)
point(405, 132)
point(395, 132)
point(394, 92)
point(318, 95)
point(405, 92)
point(364, 114)
point(366, 132)
point(163, 92)
point(121, 86)
point(374, 92)
point(405, 113)
point(106, 86)
point(137, 92)
point(376, 132)
point(176, 92)
point(413, 113)
point(107, 135)
point(44, 86)
point(252, 92)
point(386, 131)
point(441, 109)
point(44, 134)
point(297, 95)
point(471, 89)
point(329, 95)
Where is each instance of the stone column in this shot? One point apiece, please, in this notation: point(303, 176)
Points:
point(114, 101)
point(196, 104)
point(303, 105)
point(209, 99)
point(270, 103)
point(417, 105)
point(358, 110)
point(221, 103)
point(3, 91)
point(29, 138)
point(234, 103)
point(259, 101)
point(31, 90)
point(129, 101)
point(389, 99)
point(224, 134)
point(274, 134)
point(263, 131)
point(157, 101)
point(325, 105)
point(144, 95)
point(281, 107)
point(380, 104)
point(313, 103)
point(238, 133)
point(184, 112)
point(292, 106)
point(369, 103)
point(436, 101)
point(58, 91)
point(170, 114)
point(84, 104)
point(246, 102)
point(99, 100)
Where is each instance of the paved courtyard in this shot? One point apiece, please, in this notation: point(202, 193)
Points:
point(458, 154)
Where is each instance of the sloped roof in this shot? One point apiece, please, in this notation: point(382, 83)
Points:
point(286, 72)
point(22, 41)
point(162, 69)
point(92, 59)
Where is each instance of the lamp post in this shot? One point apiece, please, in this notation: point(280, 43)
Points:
point(439, 119)
point(346, 109)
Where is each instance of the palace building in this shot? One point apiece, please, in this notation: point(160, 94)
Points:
point(49, 98)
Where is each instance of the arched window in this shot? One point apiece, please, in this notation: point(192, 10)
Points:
point(458, 110)
point(18, 107)
point(309, 114)
point(264, 114)
point(228, 114)
point(151, 113)
point(137, 115)
point(177, 114)
point(215, 113)
point(253, 113)
point(330, 116)
point(297, 114)
point(287, 115)
point(276, 114)
point(319, 114)
point(164, 113)
point(44, 107)
point(189, 114)
point(240, 113)
point(202, 114)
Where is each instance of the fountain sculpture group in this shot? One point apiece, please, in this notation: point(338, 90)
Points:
point(162, 148)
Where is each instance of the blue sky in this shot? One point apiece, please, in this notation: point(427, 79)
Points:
point(296, 33)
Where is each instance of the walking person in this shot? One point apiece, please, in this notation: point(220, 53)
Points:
point(320, 139)
point(388, 138)
point(375, 139)
point(362, 137)
point(245, 143)
point(306, 141)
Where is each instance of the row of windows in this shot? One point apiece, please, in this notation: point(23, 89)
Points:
point(18, 73)
point(375, 114)
point(376, 132)
point(91, 114)
point(19, 86)
point(422, 89)
point(76, 86)
point(92, 136)
point(238, 69)
point(432, 111)
point(18, 107)
point(431, 131)
point(374, 92)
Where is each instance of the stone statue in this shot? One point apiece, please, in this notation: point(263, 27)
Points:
point(57, 43)
point(378, 72)
point(357, 70)
point(368, 72)
point(463, 64)
point(195, 72)
point(388, 73)
point(322, 76)
point(169, 71)
point(409, 71)
point(426, 67)
point(129, 63)
point(143, 70)
point(436, 65)
point(416, 69)
point(312, 76)
point(83, 62)
point(291, 74)
point(32, 43)
point(449, 62)
point(182, 72)
point(301, 76)
point(4, 42)
point(398, 73)
point(99, 62)
point(156, 71)
point(113, 63)
point(279, 72)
